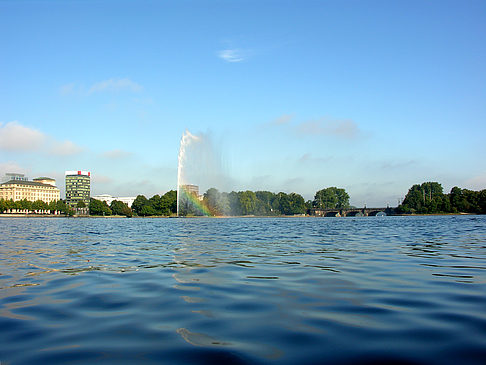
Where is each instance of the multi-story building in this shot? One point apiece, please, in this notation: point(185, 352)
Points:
point(77, 187)
point(42, 188)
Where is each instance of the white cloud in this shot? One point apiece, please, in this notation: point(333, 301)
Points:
point(10, 167)
point(16, 137)
point(231, 55)
point(116, 85)
point(102, 179)
point(477, 182)
point(65, 148)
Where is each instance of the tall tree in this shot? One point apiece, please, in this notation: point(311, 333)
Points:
point(331, 198)
point(120, 208)
point(138, 204)
point(98, 207)
point(247, 200)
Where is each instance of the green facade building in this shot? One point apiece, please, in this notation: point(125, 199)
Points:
point(78, 184)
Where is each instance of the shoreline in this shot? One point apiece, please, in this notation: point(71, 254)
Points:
point(36, 216)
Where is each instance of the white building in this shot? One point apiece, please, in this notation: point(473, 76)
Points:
point(128, 200)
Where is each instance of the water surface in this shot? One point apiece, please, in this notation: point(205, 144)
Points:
point(243, 290)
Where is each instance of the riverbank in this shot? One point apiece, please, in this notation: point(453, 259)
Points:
point(16, 215)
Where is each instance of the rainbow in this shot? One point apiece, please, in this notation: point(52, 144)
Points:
point(199, 205)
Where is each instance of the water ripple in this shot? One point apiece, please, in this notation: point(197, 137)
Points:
point(248, 291)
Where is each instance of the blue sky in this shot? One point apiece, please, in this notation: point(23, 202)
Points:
point(372, 96)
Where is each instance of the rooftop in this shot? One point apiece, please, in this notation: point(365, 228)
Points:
point(44, 178)
point(30, 183)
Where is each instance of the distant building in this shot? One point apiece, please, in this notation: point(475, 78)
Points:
point(45, 180)
point(128, 200)
point(19, 188)
point(191, 189)
point(78, 184)
point(14, 176)
point(104, 198)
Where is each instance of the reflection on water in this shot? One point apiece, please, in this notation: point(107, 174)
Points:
point(312, 290)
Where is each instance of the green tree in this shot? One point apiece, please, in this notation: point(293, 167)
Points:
point(26, 204)
point(148, 210)
point(457, 199)
point(482, 201)
point(3, 205)
point(472, 200)
point(120, 208)
point(61, 206)
point(52, 206)
point(331, 198)
point(424, 198)
point(39, 205)
point(10, 204)
point(282, 203)
point(170, 201)
point(265, 203)
point(165, 204)
point(211, 200)
point(98, 207)
point(216, 202)
point(297, 204)
point(81, 204)
point(234, 204)
point(138, 204)
point(156, 203)
point(308, 206)
point(247, 201)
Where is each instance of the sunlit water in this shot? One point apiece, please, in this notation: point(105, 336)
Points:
point(262, 290)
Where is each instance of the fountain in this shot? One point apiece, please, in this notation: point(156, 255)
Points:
point(186, 139)
point(199, 168)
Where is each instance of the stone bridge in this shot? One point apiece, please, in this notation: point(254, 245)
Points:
point(352, 212)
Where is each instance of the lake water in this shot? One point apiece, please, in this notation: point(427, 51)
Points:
point(243, 290)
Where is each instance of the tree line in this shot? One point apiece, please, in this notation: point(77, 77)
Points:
point(428, 198)
point(214, 203)
point(258, 203)
point(37, 205)
point(425, 198)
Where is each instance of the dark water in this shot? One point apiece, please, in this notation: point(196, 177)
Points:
point(256, 291)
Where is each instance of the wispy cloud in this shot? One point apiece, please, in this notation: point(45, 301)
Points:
point(232, 55)
point(341, 128)
point(282, 120)
point(65, 148)
point(477, 182)
point(16, 137)
point(309, 158)
point(346, 129)
point(67, 89)
point(115, 85)
point(11, 167)
point(116, 154)
point(393, 165)
point(102, 179)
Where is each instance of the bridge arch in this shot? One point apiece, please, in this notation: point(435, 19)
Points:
point(332, 214)
point(377, 213)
